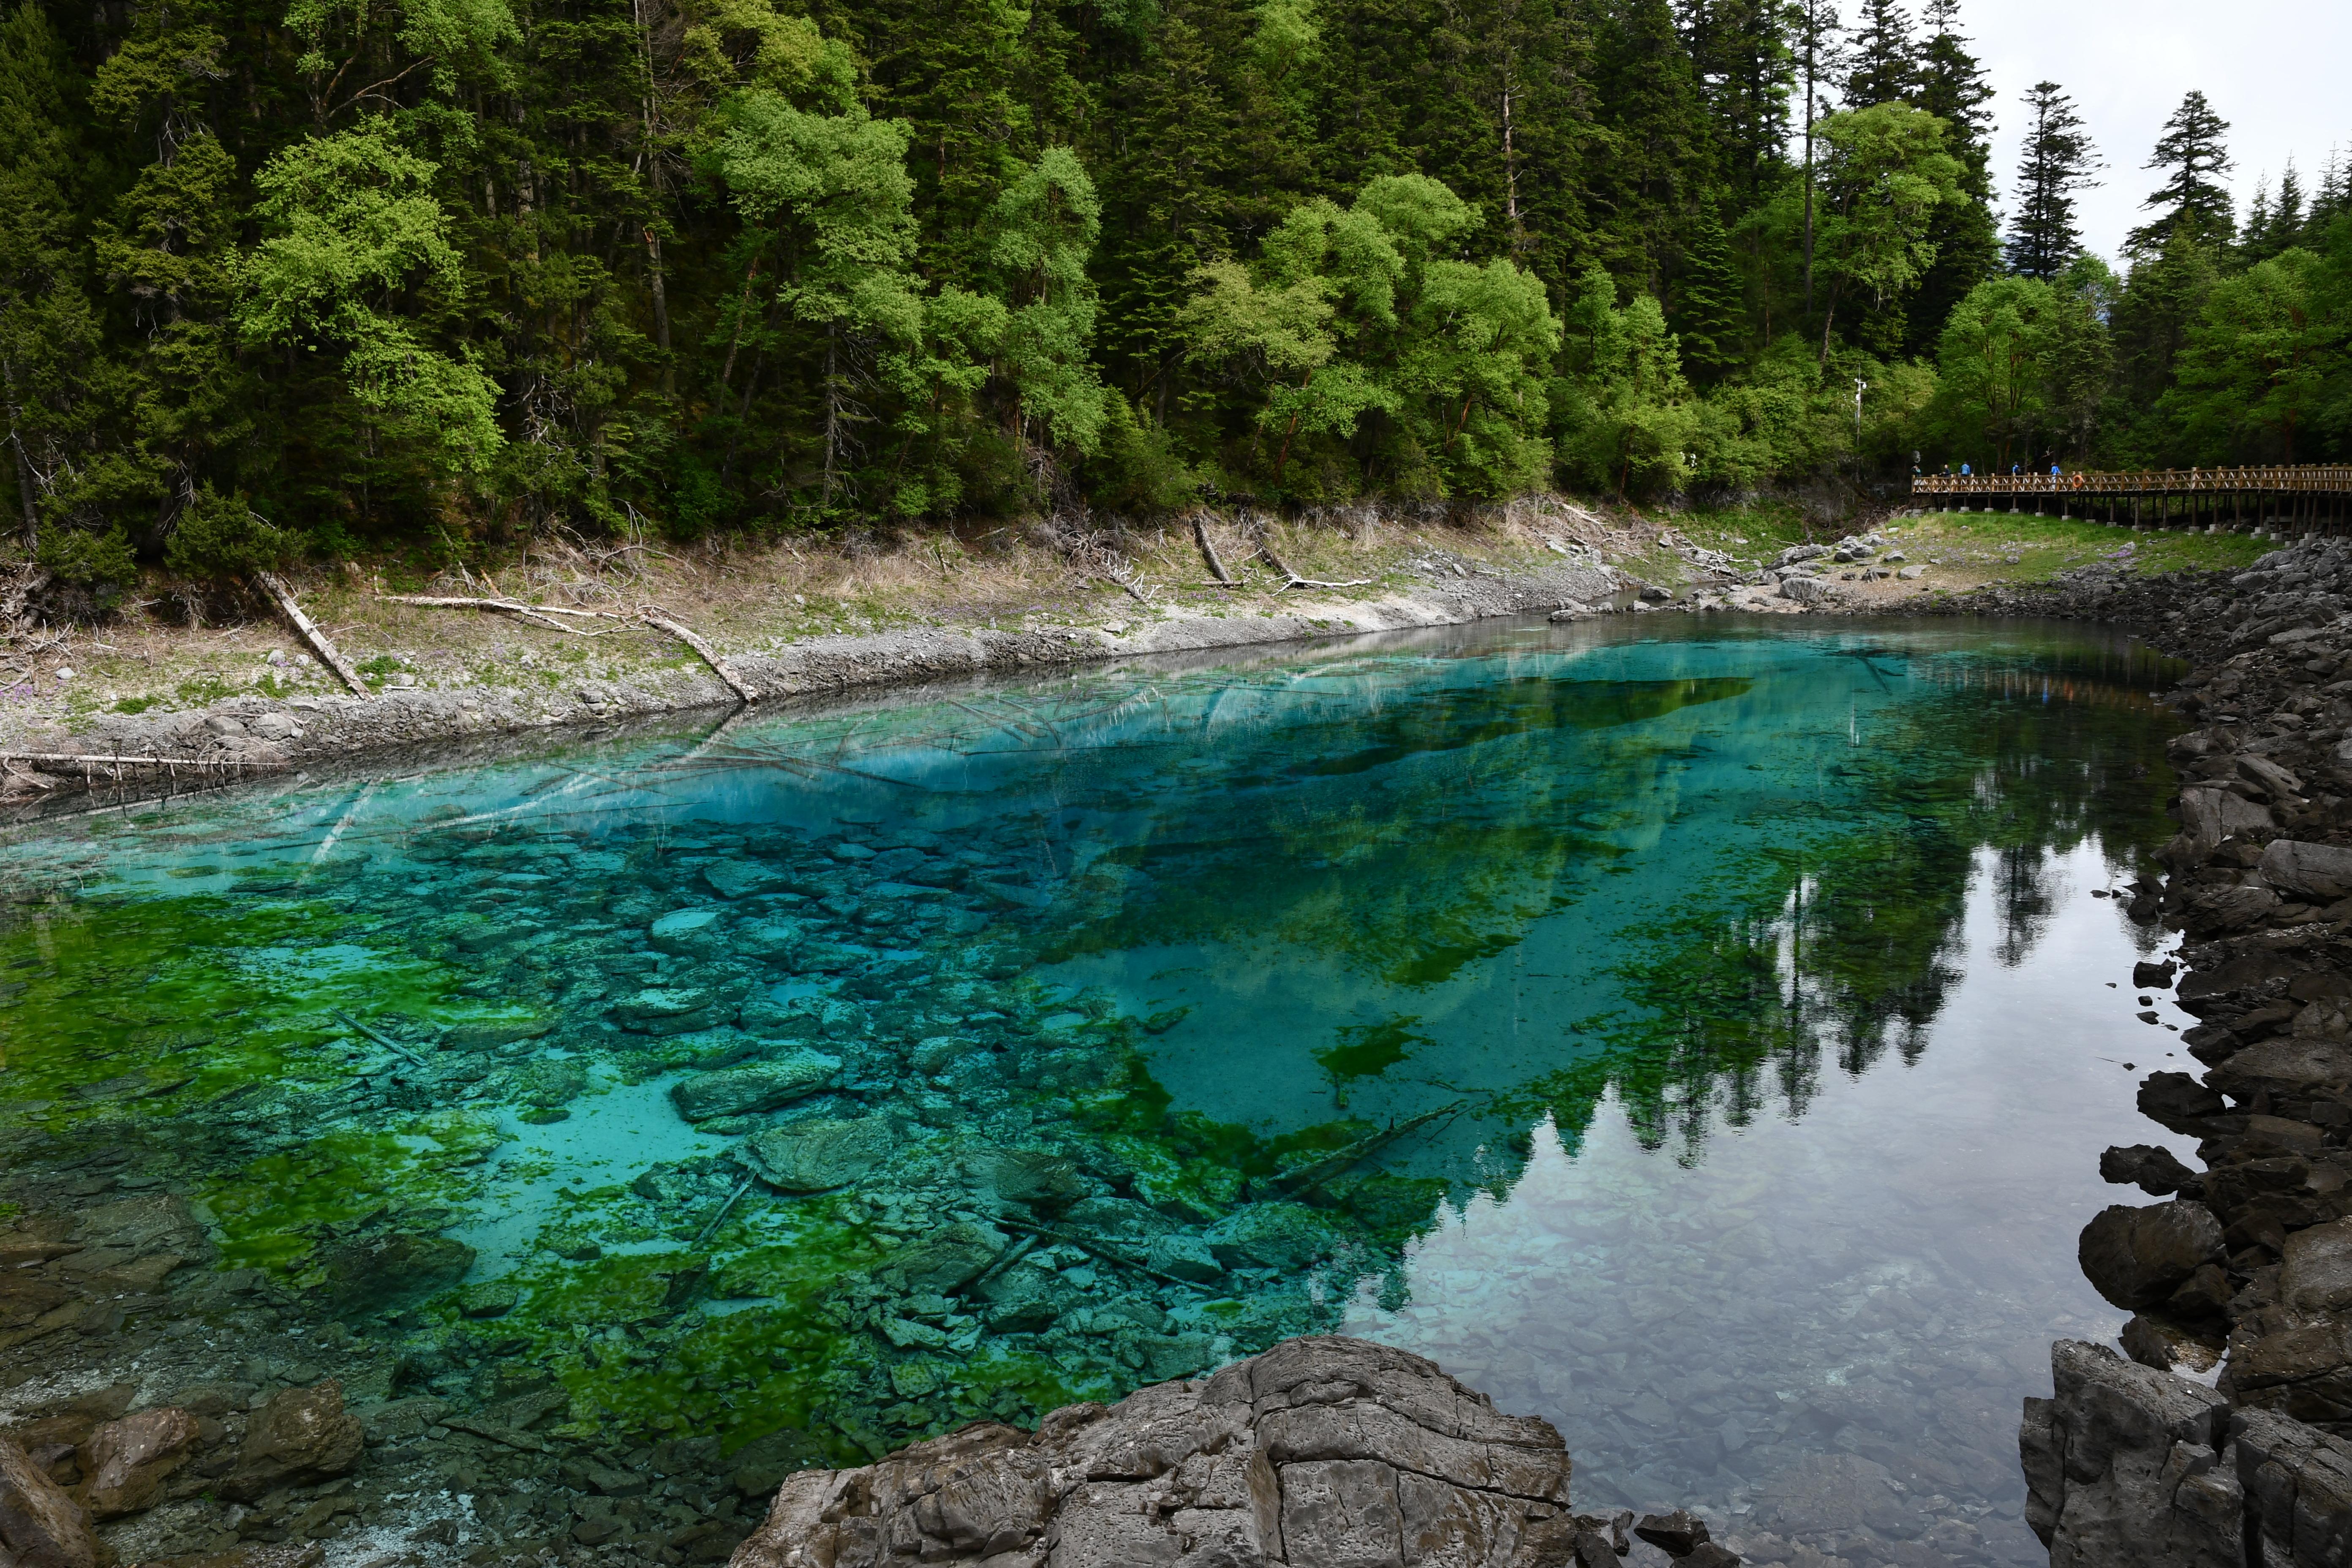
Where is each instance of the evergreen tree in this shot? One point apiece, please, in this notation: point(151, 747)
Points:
point(1659, 158)
point(2058, 161)
point(2192, 199)
point(1815, 46)
point(1952, 85)
point(1709, 313)
point(2274, 225)
point(1882, 57)
point(1747, 70)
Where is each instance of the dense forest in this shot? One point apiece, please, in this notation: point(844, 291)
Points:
point(280, 276)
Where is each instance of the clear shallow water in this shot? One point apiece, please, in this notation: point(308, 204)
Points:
point(1696, 1033)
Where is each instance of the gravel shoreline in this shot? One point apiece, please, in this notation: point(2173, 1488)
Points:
point(245, 735)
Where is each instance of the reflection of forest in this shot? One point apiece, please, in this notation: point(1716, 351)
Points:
point(1819, 926)
point(1845, 948)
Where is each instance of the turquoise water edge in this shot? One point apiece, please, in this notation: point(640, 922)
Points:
point(1696, 1033)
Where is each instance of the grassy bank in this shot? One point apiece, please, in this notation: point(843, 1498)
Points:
point(173, 648)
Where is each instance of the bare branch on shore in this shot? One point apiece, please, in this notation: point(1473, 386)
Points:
point(319, 641)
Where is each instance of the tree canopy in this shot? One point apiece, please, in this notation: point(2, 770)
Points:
point(290, 276)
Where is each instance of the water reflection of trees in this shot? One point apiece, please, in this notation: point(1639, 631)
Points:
point(1435, 835)
point(1845, 951)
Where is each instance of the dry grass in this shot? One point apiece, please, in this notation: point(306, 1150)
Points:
point(752, 597)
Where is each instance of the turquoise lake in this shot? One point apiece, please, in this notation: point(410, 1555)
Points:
point(1696, 1031)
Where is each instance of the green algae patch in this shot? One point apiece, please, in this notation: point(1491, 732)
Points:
point(272, 1212)
point(213, 994)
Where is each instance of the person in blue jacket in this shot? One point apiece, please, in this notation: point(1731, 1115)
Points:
point(1965, 471)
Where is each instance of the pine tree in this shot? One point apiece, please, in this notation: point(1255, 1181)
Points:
point(1660, 157)
point(2058, 161)
point(1740, 49)
point(2194, 156)
point(1881, 59)
point(1952, 85)
point(1709, 308)
point(2276, 223)
point(1815, 47)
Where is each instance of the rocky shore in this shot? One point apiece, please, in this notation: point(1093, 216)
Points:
point(2226, 1437)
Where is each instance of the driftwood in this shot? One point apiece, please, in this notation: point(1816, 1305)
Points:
point(381, 1038)
point(309, 630)
point(724, 1209)
point(1108, 1254)
point(540, 613)
point(1306, 1179)
point(1209, 552)
point(709, 655)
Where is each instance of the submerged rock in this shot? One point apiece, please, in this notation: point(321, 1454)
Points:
point(762, 1085)
point(383, 1272)
point(129, 1459)
point(816, 1155)
point(1320, 1451)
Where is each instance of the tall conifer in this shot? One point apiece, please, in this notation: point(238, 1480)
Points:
point(2058, 160)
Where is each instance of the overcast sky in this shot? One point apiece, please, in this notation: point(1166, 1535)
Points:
point(2273, 68)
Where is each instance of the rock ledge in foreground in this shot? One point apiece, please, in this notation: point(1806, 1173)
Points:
point(1322, 1451)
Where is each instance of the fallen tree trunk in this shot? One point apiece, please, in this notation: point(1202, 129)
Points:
point(709, 655)
point(542, 613)
point(310, 632)
point(1209, 552)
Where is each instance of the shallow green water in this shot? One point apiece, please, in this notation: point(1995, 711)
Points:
point(1693, 1033)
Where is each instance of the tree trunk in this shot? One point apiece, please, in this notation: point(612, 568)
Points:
point(25, 492)
point(831, 404)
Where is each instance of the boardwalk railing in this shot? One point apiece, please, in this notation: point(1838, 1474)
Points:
point(2301, 496)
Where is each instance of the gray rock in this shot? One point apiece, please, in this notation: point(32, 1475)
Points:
point(2137, 1258)
point(689, 933)
point(2317, 871)
point(2123, 1466)
point(2283, 1065)
point(1319, 1453)
point(2301, 1370)
point(1807, 590)
point(762, 1085)
point(739, 878)
point(816, 1155)
point(2317, 1272)
point(2298, 1491)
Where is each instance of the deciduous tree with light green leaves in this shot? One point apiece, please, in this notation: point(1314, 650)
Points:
point(2257, 362)
point(1626, 415)
point(1887, 172)
point(354, 259)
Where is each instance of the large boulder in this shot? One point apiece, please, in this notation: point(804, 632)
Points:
point(128, 1460)
point(761, 1086)
point(817, 1155)
point(2298, 1486)
point(2321, 872)
point(2137, 1258)
point(40, 1526)
point(2316, 1276)
point(376, 1273)
point(1319, 1453)
point(2286, 1065)
point(300, 1434)
point(2124, 1468)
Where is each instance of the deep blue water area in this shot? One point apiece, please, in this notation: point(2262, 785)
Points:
point(1695, 1031)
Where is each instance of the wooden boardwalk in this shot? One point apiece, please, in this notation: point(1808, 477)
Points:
point(2299, 498)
